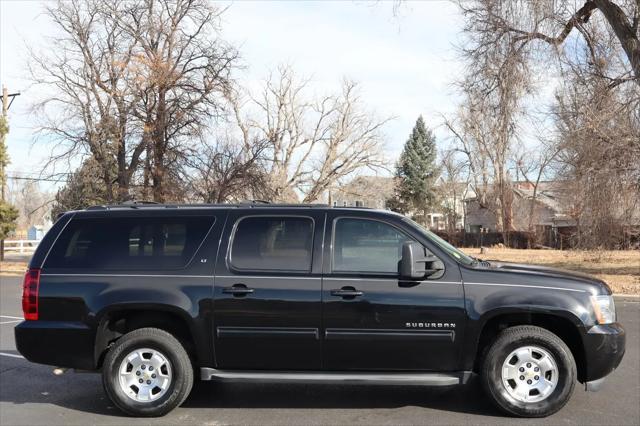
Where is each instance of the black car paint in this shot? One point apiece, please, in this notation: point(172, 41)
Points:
point(292, 321)
point(277, 326)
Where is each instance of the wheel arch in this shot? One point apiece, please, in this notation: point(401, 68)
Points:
point(121, 319)
point(563, 324)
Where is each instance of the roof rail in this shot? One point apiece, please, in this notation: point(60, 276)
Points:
point(136, 202)
point(247, 204)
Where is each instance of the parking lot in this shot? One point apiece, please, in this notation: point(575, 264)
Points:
point(31, 395)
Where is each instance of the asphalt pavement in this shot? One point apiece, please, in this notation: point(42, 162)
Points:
point(31, 395)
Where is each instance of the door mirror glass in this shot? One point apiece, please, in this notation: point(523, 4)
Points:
point(416, 264)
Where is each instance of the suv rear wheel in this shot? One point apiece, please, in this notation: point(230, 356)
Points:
point(147, 373)
point(529, 372)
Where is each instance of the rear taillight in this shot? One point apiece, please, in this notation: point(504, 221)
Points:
point(30, 294)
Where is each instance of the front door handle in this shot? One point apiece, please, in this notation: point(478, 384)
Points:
point(347, 292)
point(238, 290)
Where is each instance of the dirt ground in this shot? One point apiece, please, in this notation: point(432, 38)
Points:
point(620, 269)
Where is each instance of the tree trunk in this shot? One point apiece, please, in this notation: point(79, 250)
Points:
point(122, 179)
point(158, 174)
point(624, 31)
point(146, 176)
point(159, 146)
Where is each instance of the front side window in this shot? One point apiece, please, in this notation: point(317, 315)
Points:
point(366, 246)
point(129, 243)
point(262, 243)
point(451, 250)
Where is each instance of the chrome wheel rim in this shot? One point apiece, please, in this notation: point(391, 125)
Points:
point(145, 375)
point(530, 374)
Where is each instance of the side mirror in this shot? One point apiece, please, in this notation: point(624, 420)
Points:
point(415, 264)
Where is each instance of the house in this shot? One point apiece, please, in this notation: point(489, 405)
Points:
point(374, 191)
point(452, 214)
point(544, 208)
point(364, 191)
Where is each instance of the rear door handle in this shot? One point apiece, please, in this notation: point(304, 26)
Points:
point(238, 290)
point(347, 292)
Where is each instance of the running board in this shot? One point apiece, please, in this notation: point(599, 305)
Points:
point(415, 379)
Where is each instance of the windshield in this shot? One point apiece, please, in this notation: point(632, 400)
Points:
point(457, 254)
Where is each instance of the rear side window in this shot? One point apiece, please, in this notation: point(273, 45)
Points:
point(272, 243)
point(129, 243)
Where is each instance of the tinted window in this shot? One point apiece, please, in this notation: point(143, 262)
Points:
point(366, 246)
point(273, 243)
point(129, 243)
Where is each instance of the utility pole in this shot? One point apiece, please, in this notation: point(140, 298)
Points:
point(5, 110)
point(3, 178)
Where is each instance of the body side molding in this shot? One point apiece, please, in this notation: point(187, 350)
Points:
point(272, 332)
point(403, 333)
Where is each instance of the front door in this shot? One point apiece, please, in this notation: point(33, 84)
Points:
point(372, 319)
point(267, 291)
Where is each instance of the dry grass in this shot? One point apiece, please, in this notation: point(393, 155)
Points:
point(620, 269)
point(12, 267)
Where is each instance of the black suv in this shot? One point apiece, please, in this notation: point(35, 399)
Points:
point(151, 295)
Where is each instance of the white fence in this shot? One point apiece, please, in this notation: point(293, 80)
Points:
point(20, 246)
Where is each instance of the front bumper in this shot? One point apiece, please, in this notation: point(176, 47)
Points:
point(59, 343)
point(604, 348)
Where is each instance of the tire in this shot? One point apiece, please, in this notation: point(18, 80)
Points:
point(170, 382)
point(509, 354)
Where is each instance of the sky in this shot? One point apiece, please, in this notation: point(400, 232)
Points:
point(405, 63)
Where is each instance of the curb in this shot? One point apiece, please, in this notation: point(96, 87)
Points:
point(628, 296)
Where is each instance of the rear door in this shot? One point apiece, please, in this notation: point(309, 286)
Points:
point(267, 292)
point(375, 321)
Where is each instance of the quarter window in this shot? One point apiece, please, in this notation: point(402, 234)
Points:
point(129, 243)
point(272, 243)
point(366, 246)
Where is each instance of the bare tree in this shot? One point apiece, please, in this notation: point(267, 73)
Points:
point(182, 71)
point(485, 131)
point(87, 109)
point(598, 128)
point(130, 84)
point(453, 187)
point(313, 143)
point(33, 204)
point(226, 171)
point(533, 165)
point(523, 23)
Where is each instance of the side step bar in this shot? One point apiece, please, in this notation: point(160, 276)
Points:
point(415, 379)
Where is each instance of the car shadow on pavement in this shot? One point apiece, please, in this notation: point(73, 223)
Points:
point(83, 392)
point(468, 399)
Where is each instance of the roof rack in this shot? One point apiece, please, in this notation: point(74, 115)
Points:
point(246, 204)
point(137, 202)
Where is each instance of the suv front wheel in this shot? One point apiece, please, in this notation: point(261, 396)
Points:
point(529, 372)
point(147, 373)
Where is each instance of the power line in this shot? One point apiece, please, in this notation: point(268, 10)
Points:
point(37, 179)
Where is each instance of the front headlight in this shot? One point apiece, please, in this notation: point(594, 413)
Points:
point(604, 309)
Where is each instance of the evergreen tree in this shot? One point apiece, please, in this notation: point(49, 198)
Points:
point(8, 216)
point(8, 213)
point(416, 174)
point(84, 188)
